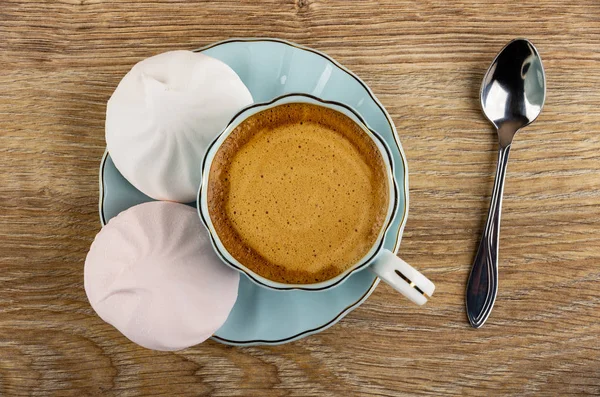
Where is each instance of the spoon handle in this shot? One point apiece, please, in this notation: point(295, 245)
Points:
point(483, 281)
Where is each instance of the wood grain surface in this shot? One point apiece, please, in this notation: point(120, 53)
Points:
point(60, 62)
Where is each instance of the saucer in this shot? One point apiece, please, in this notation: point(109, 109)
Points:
point(271, 68)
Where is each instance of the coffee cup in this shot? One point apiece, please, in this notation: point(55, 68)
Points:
point(236, 195)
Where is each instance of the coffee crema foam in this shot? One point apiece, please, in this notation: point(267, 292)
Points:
point(298, 193)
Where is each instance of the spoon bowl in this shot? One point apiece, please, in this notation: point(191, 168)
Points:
point(513, 89)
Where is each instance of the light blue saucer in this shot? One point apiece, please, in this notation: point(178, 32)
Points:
point(271, 68)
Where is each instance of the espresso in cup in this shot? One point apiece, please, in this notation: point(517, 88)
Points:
point(298, 193)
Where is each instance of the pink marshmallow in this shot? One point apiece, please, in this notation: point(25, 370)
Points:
point(152, 273)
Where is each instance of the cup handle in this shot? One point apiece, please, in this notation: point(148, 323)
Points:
point(402, 277)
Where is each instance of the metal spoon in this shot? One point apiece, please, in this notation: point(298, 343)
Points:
point(512, 96)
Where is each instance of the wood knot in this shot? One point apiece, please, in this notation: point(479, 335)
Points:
point(302, 5)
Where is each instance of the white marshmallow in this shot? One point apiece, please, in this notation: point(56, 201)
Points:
point(163, 115)
point(151, 272)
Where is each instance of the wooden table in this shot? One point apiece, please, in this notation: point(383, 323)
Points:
point(60, 62)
